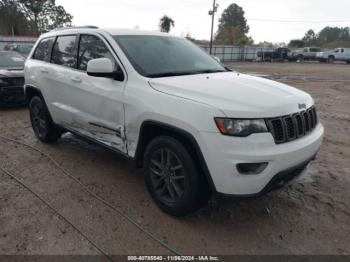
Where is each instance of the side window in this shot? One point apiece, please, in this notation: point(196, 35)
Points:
point(64, 51)
point(91, 47)
point(42, 52)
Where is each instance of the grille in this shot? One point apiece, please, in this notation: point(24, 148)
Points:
point(289, 128)
point(13, 81)
point(12, 90)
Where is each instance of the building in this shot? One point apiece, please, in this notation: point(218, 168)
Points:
point(25, 40)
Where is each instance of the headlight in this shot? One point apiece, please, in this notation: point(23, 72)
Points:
point(240, 128)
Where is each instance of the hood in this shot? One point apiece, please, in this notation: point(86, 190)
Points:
point(12, 72)
point(236, 95)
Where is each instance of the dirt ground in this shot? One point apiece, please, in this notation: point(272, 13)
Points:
point(312, 216)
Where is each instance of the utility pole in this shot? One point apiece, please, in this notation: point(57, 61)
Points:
point(212, 14)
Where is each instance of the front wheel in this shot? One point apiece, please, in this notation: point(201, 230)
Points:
point(330, 60)
point(43, 126)
point(172, 178)
point(300, 58)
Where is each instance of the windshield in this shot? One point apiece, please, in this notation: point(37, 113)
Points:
point(161, 56)
point(11, 60)
point(22, 49)
point(25, 49)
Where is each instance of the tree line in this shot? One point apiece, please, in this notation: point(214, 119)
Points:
point(34, 17)
point(31, 17)
point(328, 37)
point(233, 27)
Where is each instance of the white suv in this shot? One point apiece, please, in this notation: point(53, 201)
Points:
point(195, 127)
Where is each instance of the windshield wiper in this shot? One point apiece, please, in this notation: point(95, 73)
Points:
point(196, 72)
point(13, 68)
point(210, 71)
point(169, 74)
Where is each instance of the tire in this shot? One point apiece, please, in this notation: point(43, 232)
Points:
point(348, 62)
point(172, 178)
point(43, 126)
point(330, 60)
point(300, 58)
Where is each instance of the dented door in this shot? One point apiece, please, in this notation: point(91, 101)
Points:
point(98, 102)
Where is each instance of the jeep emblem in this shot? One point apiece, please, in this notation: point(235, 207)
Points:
point(302, 106)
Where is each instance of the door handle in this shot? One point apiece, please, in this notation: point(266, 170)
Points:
point(76, 79)
point(44, 70)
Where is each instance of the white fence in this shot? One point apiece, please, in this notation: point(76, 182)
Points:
point(6, 40)
point(225, 53)
point(236, 53)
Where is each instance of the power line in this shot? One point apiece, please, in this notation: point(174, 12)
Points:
point(212, 14)
point(298, 21)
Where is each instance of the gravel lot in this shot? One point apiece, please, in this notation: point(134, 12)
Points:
point(312, 216)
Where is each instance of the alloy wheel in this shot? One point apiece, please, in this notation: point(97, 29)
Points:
point(167, 175)
point(38, 119)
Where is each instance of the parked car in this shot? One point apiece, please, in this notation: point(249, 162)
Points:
point(11, 78)
point(338, 54)
point(307, 53)
point(194, 127)
point(279, 54)
point(23, 49)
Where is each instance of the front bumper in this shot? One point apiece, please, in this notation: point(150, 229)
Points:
point(222, 154)
point(13, 95)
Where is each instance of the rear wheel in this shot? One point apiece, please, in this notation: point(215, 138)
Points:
point(171, 177)
point(43, 126)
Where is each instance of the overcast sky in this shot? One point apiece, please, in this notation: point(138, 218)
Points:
point(191, 16)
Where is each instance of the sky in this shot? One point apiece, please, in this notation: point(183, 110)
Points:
point(191, 16)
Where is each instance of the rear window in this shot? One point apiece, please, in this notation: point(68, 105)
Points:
point(65, 52)
point(42, 52)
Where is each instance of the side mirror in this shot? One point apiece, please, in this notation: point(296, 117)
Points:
point(103, 67)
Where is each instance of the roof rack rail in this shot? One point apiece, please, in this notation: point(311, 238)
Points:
point(75, 27)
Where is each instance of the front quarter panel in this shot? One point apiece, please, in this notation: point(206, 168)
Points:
point(142, 103)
